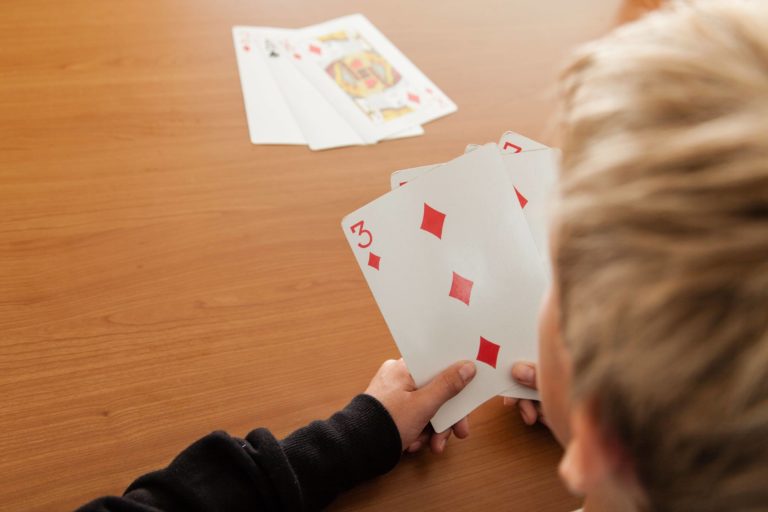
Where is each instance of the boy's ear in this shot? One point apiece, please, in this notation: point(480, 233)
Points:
point(592, 458)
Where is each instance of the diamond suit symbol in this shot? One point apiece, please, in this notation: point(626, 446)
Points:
point(521, 198)
point(488, 352)
point(432, 221)
point(374, 260)
point(461, 288)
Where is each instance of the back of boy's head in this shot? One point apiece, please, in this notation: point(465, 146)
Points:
point(662, 249)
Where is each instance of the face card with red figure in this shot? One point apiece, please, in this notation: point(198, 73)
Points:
point(282, 106)
point(454, 270)
point(322, 126)
point(374, 87)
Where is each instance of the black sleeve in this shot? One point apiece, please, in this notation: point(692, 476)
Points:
point(305, 471)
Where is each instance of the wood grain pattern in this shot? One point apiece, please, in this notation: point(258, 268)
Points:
point(161, 277)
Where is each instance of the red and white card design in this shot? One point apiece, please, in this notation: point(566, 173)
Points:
point(376, 89)
point(532, 168)
point(534, 175)
point(281, 105)
point(453, 268)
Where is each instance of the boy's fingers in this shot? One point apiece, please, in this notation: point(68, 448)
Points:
point(438, 441)
point(461, 429)
point(508, 401)
point(420, 441)
point(414, 447)
point(447, 384)
point(528, 412)
point(525, 374)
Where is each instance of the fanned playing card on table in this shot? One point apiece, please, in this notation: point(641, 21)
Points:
point(282, 106)
point(455, 272)
point(320, 123)
point(270, 120)
point(369, 82)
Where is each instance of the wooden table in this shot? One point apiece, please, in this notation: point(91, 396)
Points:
point(161, 277)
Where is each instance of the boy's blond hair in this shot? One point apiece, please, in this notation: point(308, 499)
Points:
point(662, 249)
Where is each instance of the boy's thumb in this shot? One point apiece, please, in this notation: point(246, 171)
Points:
point(447, 384)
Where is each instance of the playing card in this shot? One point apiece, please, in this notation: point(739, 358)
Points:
point(532, 173)
point(452, 265)
point(277, 92)
point(369, 82)
point(534, 176)
point(320, 124)
point(511, 142)
point(270, 120)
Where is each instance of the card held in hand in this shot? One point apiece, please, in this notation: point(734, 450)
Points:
point(455, 272)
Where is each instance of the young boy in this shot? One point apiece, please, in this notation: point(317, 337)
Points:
point(654, 335)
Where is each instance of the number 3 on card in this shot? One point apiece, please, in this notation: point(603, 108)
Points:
point(361, 231)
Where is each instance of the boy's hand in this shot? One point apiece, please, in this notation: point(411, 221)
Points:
point(525, 373)
point(411, 408)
